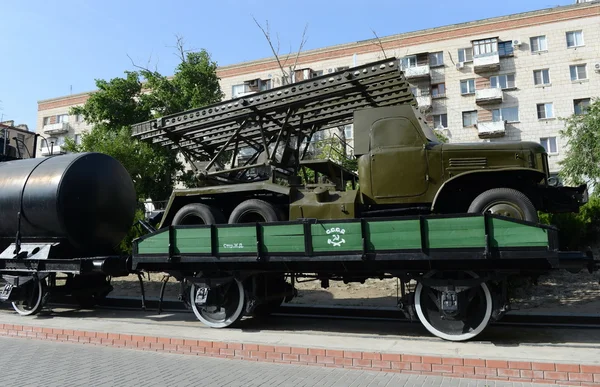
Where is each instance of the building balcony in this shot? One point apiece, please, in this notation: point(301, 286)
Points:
point(58, 128)
point(51, 150)
point(489, 96)
point(491, 129)
point(424, 102)
point(417, 72)
point(486, 62)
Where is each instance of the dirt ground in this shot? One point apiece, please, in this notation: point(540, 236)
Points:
point(558, 292)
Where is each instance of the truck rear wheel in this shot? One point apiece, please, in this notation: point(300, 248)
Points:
point(197, 213)
point(254, 210)
point(505, 202)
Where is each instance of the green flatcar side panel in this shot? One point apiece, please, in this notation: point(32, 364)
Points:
point(192, 241)
point(445, 233)
point(287, 238)
point(393, 235)
point(512, 234)
point(336, 237)
point(236, 240)
point(156, 244)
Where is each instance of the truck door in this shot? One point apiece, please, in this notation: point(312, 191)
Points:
point(398, 159)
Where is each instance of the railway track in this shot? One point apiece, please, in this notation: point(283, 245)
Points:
point(511, 319)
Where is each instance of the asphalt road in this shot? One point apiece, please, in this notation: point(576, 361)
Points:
point(27, 362)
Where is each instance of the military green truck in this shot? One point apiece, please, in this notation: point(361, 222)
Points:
point(252, 157)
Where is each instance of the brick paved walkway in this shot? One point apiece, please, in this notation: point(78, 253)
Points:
point(27, 362)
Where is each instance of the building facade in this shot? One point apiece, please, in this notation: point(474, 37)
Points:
point(508, 78)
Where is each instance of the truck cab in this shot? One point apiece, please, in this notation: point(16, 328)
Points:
point(402, 164)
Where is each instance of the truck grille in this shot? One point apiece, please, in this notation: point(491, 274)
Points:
point(468, 162)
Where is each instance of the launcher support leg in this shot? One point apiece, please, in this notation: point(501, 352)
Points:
point(142, 289)
point(164, 281)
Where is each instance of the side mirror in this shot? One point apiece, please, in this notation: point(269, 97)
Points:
point(553, 181)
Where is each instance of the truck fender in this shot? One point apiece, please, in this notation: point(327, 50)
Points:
point(533, 175)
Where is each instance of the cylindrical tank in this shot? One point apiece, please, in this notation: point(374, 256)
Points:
point(84, 199)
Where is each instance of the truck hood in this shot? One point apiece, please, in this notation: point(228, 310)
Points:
point(516, 145)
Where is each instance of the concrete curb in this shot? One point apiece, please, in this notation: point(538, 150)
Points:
point(515, 371)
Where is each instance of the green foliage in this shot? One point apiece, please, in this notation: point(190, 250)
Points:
point(335, 149)
point(576, 231)
point(141, 96)
point(194, 84)
point(150, 167)
point(441, 137)
point(581, 163)
point(135, 231)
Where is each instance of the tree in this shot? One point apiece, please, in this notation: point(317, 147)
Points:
point(287, 76)
point(140, 96)
point(581, 163)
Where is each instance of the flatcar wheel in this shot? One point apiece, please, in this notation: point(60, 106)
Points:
point(34, 302)
point(226, 305)
point(472, 317)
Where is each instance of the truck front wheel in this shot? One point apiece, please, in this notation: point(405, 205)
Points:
point(505, 202)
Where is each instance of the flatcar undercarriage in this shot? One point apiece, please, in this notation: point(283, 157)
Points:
point(453, 272)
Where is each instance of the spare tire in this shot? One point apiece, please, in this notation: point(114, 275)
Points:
point(505, 202)
point(197, 213)
point(254, 210)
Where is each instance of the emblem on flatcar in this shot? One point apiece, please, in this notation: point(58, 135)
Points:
point(336, 234)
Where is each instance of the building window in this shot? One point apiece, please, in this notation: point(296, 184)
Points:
point(465, 54)
point(541, 77)
point(348, 132)
point(438, 90)
point(506, 81)
point(509, 114)
point(436, 59)
point(467, 86)
point(485, 47)
point(46, 121)
point(409, 61)
point(538, 43)
point(545, 111)
point(469, 118)
point(580, 105)
point(549, 143)
point(574, 38)
point(62, 118)
point(440, 121)
point(236, 90)
point(578, 72)
point(78, 139)
point(505, 49)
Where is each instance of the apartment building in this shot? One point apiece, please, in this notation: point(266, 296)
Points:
point(508, 78)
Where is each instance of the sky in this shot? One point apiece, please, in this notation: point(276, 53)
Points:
point(56, 48)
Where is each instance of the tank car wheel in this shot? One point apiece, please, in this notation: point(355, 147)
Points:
point(473, 316)
point(35, 300)
point(228, 301)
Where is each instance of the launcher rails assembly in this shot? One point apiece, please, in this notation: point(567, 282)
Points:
point(277, 124)
point(461, 263)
